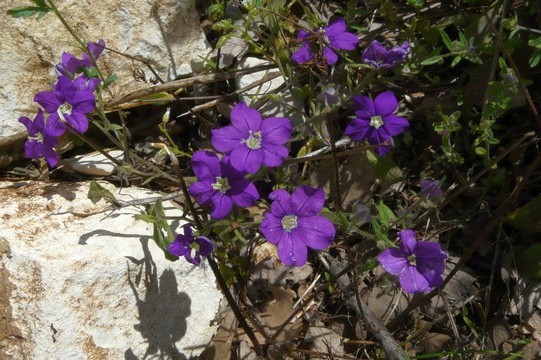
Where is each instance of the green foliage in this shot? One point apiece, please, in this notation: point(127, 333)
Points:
point(535, 58)
point(446, 126)
point(161, 231)
point(529, 261)
point(96, 192)
point(40, 9)
point(527, 217)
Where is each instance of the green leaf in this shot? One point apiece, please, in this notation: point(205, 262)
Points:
point(386, 215)
point(28, 11)
point(480, 151)
point(432, 60)
point(529, 262)
point(96, 192)
point(446, 40)
point(385, 167)
point(527, 217)
point(109, 80)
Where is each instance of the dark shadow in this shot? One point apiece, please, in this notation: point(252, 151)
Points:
point(162, 310)
point(84, 238)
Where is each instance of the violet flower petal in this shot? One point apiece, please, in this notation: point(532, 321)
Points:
point(276, 130)
point(335, 28)
point(226, 139)
point(307, 201)
point(344, 41)
point(303, 54)
point(330, 55)
point(317, 232)
point(408, 241)
point(385, 103)
point(411, 281)
point(395, 125)
point(274, 155)
point(206, 165)
point(221, 206)
point(245, 118)
point(393, 260)
point(292, 253)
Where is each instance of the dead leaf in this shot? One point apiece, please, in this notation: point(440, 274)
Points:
point(324, 340)
point(498, 331)
point(276, 311)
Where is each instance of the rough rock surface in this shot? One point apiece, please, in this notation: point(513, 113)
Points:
point(76, 284)
point(284, 106)
point(166, 32)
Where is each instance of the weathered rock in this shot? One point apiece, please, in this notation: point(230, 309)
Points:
point(167, 33)
point(284, 105)
point(76, 284)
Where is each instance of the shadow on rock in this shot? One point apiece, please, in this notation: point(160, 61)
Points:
point(162, 310)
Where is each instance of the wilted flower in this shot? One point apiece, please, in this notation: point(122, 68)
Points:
point(430, 189)
point(220, 184)
point(375, 121)
point(251, 141)
point(190, 246)
point(329, 96)
point(294, 224)
point(377, 54)
point(69, 102)
point(313, 47)
point(42, 139)
point(71, 65)
point(418, 265)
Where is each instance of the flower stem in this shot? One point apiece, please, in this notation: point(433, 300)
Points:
point(215, 269)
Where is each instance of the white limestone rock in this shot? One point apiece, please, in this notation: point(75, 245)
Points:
point(284, 106)
point(166, 32)
point(83, 285)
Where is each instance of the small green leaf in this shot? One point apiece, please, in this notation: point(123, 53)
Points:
point(109, 80)
point(28, 11)
point(527, 217)
point(480, 151)
point(446, 40)
point(386, 215)
point(432, 60)
point(96, 192)
point(529, 262)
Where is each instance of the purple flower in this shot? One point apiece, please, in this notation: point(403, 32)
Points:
point(312, 47)
point(220, 184)
point(190, 246)
point(293, 224)
point(377, 55)
point(70, 102)
point(418, 265)
point(329, 96)
point(430, 189)
point(375, 121)
point(251, 141)
point(71, 65)
point(43, 138)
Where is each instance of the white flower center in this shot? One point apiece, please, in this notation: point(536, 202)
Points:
point(412, 260)
point(254, 140)
point(221, 184)
point(65, 108)
point(289, 222)
point(376, 122)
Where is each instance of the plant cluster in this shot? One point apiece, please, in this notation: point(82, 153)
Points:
point(400, 105)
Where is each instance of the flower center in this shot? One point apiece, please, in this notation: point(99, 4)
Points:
point(65, 108)
point(289, 222)
point(254, 140)
point(376, 122)
point(221, 184)
point(412, 260)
